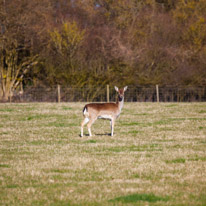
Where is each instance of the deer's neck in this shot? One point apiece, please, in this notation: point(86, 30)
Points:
point(120, 103)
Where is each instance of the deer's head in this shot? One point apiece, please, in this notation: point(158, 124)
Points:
point(120, 93)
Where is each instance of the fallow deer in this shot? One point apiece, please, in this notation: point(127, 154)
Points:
point(111, 111)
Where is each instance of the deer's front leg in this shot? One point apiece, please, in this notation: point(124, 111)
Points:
point(112, 126)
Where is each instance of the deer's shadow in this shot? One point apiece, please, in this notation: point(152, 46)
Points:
point(100, 134)
point(105, 134)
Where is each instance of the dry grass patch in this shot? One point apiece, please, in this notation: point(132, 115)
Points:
point(156, 157)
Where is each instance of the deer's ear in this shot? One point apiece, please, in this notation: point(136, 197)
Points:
point(116, 88)
point(125, 88)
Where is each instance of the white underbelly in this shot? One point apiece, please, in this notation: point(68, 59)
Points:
point(105, 116)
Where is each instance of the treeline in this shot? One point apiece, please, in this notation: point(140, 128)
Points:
point(80, 43)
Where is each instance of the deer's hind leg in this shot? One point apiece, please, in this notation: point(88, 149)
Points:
point(85, 121)
point(91, 121)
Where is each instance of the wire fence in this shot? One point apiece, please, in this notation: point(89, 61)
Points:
point(103, 94)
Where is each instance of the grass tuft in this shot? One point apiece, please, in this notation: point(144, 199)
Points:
point(5, 166)
point(178, 160)
point(91, 141)
point(66, 108)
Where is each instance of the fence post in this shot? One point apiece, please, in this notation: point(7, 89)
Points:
point(157, 93)
point(59, 93)
point(107, 92)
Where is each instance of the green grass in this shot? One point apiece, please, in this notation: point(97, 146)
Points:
point(139, 197)
point(202, 111)
point(156, 157)
point(179, 160)
point(4, 165)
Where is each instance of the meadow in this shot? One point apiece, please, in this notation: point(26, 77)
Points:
point(157, 155)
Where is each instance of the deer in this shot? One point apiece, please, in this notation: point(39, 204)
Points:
point(110, 111)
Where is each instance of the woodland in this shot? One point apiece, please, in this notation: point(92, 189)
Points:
point(91, 43)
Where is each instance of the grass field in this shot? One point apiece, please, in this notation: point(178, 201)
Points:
point(156, 157)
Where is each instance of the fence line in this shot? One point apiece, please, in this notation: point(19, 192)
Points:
point(104, 94)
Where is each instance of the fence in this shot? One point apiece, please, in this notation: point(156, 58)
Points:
point(103, 94)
